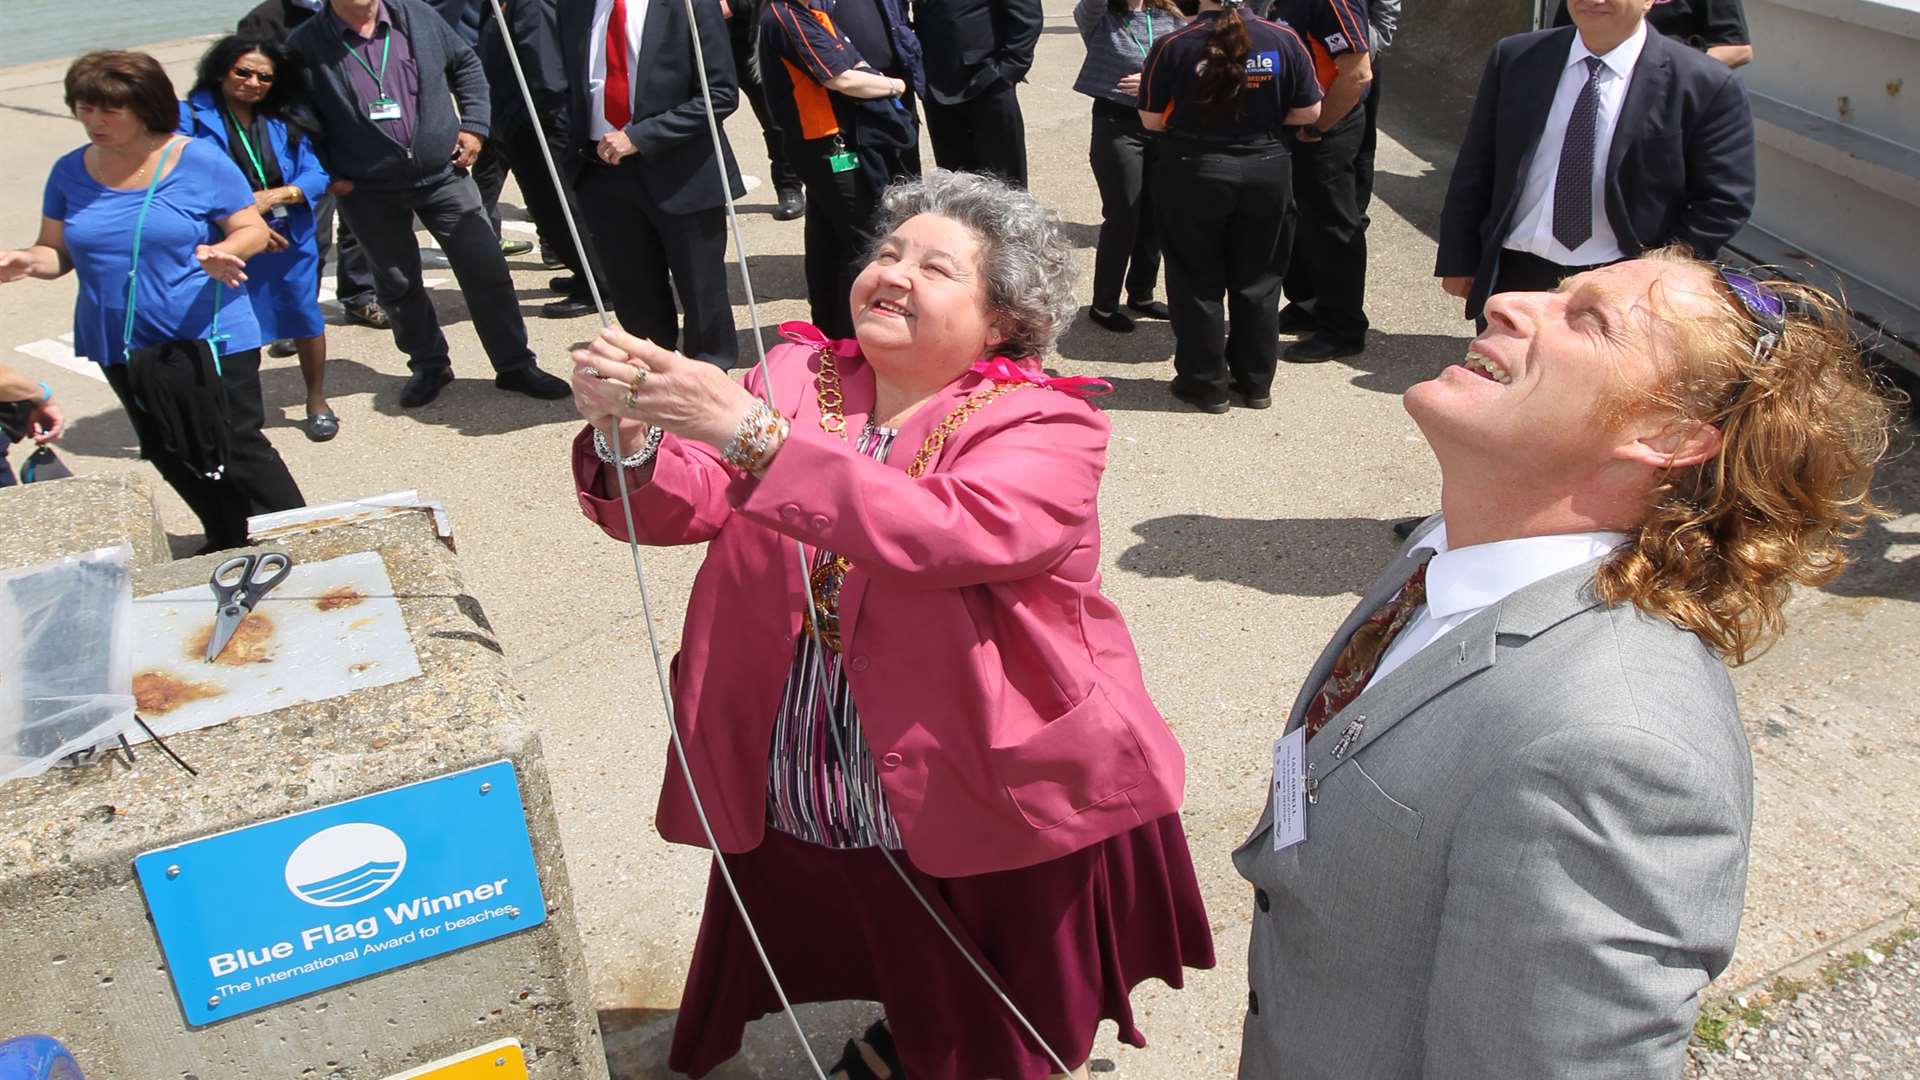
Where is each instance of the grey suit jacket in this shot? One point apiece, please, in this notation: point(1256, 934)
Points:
point(1527, 864)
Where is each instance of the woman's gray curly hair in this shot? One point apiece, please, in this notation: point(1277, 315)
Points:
point(1024, 255)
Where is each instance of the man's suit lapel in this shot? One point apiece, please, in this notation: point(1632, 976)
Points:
point(650, 43)
point(1652, 81)
point(1536, 75)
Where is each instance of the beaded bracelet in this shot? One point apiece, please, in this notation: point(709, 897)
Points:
point(604, 451)
point(761, 429)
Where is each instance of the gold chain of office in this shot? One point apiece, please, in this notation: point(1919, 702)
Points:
point(828, 577)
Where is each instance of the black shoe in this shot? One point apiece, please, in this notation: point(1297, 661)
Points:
point(534, 383)
point(368, 314)
point(1262, 400)
point(570, 307)
point(282, 348)
point(550, 261)
point(1215, 406)
point(1110, 320)
point(565, 283)
point(424, 385)
point(1295, 319)
point(1149, 309)
point(511, 248)
point(1404, 529)
point(793, 203)
point(1320, 347)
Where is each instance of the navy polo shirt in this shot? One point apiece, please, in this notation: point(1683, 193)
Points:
point(1279, 80)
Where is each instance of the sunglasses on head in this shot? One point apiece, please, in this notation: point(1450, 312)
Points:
point(1767, 311)
point(244, 74)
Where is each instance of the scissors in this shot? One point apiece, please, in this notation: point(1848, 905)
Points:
point(237, 585)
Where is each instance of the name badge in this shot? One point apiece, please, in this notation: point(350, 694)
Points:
point(1290, 789)
point(842, 161)
point(383, 108)
point(278, 213)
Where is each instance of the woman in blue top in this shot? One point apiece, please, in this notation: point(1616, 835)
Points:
point(197, 236)
point(239, 102)
point(1118, 34)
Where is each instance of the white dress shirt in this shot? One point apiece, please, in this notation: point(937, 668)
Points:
point(1533, 220)
point(1463, 582)
point(597, 125)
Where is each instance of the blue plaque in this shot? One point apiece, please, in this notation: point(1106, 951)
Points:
point(290, 907)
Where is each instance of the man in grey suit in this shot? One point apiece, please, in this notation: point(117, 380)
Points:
point(1507, 836)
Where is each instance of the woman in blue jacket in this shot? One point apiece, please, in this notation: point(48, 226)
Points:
point(239, 102)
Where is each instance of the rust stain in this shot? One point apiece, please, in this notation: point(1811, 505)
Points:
point(340, 596)
point(252, 643)
point(157, 693)
point(361, 667)
point(361, 623)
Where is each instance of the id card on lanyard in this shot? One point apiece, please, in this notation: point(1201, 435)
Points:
point(381, 107)
point(278, 213)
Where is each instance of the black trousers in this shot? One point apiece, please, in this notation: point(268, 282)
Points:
point(490, 176)
point(352, 279)
point(639, 245)
point(1129, 244)
point(740, 37)
point(450, 209)
point(1222, 209)
point(1522, 271)
point(840, 215)
point(985, 135)
point(1325, 259)
point(547, 205)
point(256, 481)
point(1369, 146)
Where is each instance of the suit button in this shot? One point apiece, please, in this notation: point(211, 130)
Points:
point(891, 760)
point(790, 513)
point(858, 663)
point(1253, 1003)
point(821, 521)
point(1261, 899)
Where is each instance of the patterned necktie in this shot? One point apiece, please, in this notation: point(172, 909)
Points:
point(619, 98)
point(1361, 657)
point(1573, 184)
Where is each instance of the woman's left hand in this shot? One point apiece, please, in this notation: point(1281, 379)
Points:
point(625, 377)
point(1129, 85)
point(225, 268)
point(264, 201)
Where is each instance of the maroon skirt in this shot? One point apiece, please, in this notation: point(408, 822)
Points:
point(1068, 939)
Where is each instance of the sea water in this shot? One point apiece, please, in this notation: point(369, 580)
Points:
point(57, 29)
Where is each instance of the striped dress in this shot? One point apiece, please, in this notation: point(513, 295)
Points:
point(814, 792)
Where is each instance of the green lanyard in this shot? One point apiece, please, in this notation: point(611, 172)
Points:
point(247, 145)
point(379, 77)
point(1144, 49)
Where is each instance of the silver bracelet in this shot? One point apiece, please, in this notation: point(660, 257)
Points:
point(639, 457)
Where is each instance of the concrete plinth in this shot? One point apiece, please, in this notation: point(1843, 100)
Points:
point(80, 955)
point(41, 522)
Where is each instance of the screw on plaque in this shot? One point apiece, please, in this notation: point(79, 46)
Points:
point(486, 787)
point(513, 913)
point(213, 1002)
point(173, 871)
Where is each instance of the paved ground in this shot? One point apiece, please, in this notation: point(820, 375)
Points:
point(1864, 1026)
point(1233, 544)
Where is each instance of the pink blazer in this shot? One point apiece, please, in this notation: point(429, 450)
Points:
point(998, 688)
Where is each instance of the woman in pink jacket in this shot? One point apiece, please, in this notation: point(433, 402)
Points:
point(965, 696)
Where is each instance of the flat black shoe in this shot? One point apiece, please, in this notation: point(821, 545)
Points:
point(565, 283)
point(793, 204)
point(1321, 347)
point(1149, 309)
point(1214, 406)
point(1263, 400)
point(534, 383)
point(1111, 320)
point(424, 385)
point(282, 348)
point(550, 261)
point(1404, 528)
point(368, 314)
point(1295, 319)
point(571, 307)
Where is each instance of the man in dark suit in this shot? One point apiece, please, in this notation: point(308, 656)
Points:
point(975, 52)
point(649, 182)
point(1590, 144)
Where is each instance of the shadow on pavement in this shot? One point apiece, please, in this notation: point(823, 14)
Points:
point(1887, 554)
point(1150, 343)
point(1394, 362)
point(1284, 557)
point(470, 404)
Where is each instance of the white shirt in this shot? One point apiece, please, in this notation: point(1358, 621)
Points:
point(1463, 582)
point(597, 125)
point(1533, 220)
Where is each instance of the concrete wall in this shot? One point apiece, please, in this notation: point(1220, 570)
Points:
point(1433, 68)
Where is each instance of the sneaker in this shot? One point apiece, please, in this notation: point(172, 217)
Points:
point(533, 382)
point(424, 385)
point(793, 203)
point(368, 314)
point(511, 248)
point(1110, 320)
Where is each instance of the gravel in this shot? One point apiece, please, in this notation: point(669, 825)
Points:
point(1866, 1024)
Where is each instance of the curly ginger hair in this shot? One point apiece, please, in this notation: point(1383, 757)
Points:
point(1802, 425)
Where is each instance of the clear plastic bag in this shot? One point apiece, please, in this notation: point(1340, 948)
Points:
point(66, 672)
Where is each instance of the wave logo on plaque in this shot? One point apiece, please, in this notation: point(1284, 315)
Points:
point(346, 864)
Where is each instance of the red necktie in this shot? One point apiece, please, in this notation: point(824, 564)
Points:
point(619, 98)
point(1361, 656)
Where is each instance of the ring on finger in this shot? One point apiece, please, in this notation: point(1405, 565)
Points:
point(633, 392)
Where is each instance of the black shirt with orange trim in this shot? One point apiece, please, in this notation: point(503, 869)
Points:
point(1279, 80)
point(1331, 28)
point(802, 47)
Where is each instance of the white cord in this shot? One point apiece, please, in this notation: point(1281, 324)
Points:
point(646, 611)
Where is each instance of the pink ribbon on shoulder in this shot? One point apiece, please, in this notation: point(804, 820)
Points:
point(805, 333)
point(1002, 370)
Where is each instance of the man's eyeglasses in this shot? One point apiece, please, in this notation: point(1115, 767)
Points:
point(264, 78)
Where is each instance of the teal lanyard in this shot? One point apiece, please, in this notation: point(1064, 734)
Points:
point(247, 145)
point(379, 77)
point(133, 271)
point(1144, 49)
